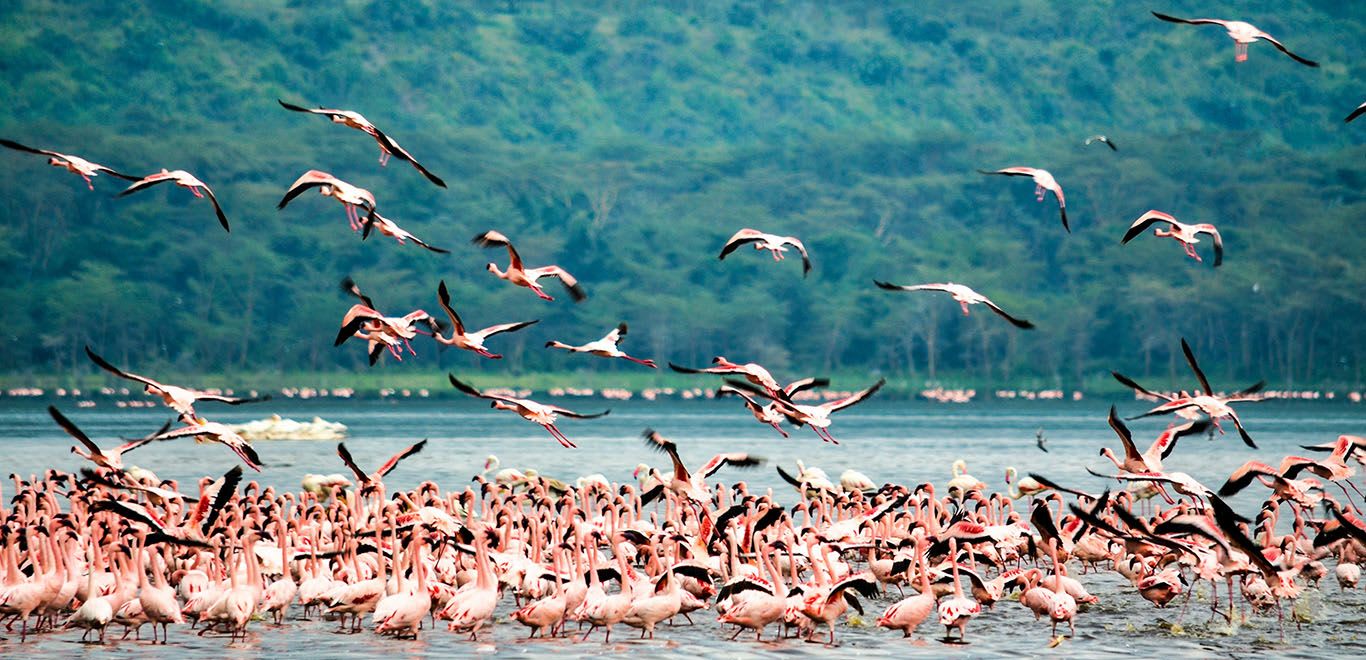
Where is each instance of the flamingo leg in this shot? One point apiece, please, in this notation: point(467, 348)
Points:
point(1240, 55)
point(1038, 193)
point(383, 157)
point(964, 305)
point(196, 192)
point(541, 293)
point(88, 182)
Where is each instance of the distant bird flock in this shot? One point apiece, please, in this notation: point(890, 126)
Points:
point(113, 544)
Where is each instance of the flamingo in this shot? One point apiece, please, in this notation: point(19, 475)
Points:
point(387, 145)
point(93, 614)
point(519, 275)
point(108, 458)
point(605, 347)
point(816, 416)
point(962, 482)
point(765, 601)
point(682, 481)
point(389, 228)
point(407, 609)
point(531, 411)
point(464, 339)
point(1162, 447)
point(351, 197)
point(185, 180)
point(956, 612)
point(1186, 234)
point(1043, 181)
point(157, 600)
point(370, 482)
point(1216, 407)
point(179, 399)
point(751, 371)
point(1026, 487)
point(1242, 34)
point(771, 242)
point(964, 295)
point(74, 164)
point(908, 613)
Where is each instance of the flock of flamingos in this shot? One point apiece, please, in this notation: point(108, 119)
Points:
point(113, 544)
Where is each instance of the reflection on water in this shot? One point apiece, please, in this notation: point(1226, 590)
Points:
point(906, 442)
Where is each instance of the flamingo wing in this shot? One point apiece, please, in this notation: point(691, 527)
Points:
point(73, 431)
point(1011, 171)
point(467, 389)
point(1199, 375)
point(491, 239)
point(505, 327)
point(1130, 451)
point(570, 283)
point(1281, 47)
point(1192, 21)
point(841, 404)
point(392, 147)
point(41, 152)
point(1144, 222)
point(147, 182)
point(444, 296)
point(805, 384)
point(742, 237)
point(393, 460)
point(1017, 322)
point(801, 248)
point(914, 287)
point(119, 372)
point(1360, 110)
point(309, 179)
point(217, 208)
point(345, 455)
point(350, 287)
point(734, 459)
point(1218, 242)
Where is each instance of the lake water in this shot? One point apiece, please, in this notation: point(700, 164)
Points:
point(905, 442)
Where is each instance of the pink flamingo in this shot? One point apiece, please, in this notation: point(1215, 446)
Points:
point(74, 164)
point(605, 347)
point(1242, 34)
point(963, 295)
point(519, 275)
point(387, 145)
point(531, 411)
point(771, 242)
point(1186, 234)
point(1043, 181)
point(185, 180)
point(464, 339)
point(351, 197)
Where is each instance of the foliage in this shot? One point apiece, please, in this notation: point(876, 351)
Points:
point(626, 141)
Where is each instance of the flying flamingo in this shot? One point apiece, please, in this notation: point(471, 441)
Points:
point(363, 321)
point(185, 180)
point(1242, 35)
point(1216, 407)
point(682, 481)
point(766, 413)
point(179, 399)
point(1043, 181)
point(531, 411)
point(464, 339)
point(74, 164)
point(771, 242)
point(753, 372)
point(605, 347)
point(964, 295)
point(519, 275)
point(108, 458)
point(1186, 234)
point(370, 482)
point(389, 228)
point(351, 197)
point(816, 416)
point(387, 145)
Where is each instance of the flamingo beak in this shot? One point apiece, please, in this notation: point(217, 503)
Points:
point(635, 474)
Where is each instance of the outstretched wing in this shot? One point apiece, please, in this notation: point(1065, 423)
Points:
point(841, 404)
point(742, 237)
point(1144, 222)
point(393, 460)
point(72, 431)
point(444, 296)
point(345, 455)
point(1281, 47)
point(41, 152)
point(392, 147)
point(1017, 322)
point(119, 372)
point(492, 239)
point(1199, 375)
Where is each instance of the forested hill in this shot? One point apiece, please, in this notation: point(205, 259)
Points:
point(626, 141)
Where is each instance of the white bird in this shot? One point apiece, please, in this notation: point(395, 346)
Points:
point(605, 347)
point(392, 230)
point(531, 411)
point(351, 197)
point(185, 180)
point(1188, 235)
point(964, 295)
point(771, 242)
point(1242, 34)
point(518, 274)
point(464, 339)
point(1102, 139)
point(387, 145)
point(74, 164)
point(1043, 181)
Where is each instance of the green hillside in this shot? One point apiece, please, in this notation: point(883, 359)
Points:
point(626, 141)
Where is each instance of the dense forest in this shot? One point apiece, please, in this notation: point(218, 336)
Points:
point(626, 141)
